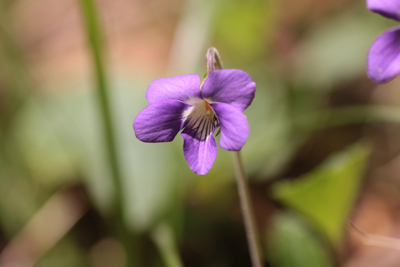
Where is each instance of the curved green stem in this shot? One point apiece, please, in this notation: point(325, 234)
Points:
point(214, 62)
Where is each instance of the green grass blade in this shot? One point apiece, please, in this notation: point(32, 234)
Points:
point(95, 39)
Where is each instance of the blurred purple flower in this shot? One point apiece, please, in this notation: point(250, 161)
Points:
point(384, 54)
point(177, 103)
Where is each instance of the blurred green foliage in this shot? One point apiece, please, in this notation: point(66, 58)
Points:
point(292, 243)
point(51, 137)
point(326, 195)
point(242, 28)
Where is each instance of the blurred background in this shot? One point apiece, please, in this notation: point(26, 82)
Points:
point(322, 156)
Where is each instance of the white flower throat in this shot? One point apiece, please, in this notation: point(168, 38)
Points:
point(200, 121)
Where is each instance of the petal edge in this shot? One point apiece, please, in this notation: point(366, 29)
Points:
point(229, 86)
point(160, 121)
point(387, 8)
point(200, 155)
point(234, 126)
point(383, 61)
point(181, 88)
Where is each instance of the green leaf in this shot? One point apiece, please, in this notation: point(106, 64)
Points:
point(291, 243)
point(326, 195)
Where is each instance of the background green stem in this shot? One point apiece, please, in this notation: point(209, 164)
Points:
point(163, 237)
point(94, 36)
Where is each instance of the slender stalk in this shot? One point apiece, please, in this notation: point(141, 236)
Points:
point(247, 211)
point(93, 32)
point(214, 62)
point(164, 239)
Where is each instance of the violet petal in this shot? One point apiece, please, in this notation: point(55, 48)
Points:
point(229, 86)
point(180, 88)
point(200, 155)
point(387, 8)
point(384, 56)
point(160, 122)
point(234, 126)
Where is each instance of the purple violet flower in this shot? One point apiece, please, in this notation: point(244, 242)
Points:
point(384, 55)
point(180, 102)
